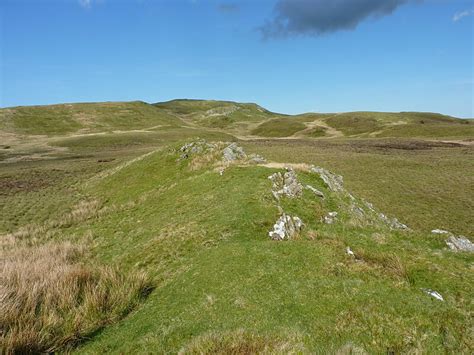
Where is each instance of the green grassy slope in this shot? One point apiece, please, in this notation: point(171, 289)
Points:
point(204, 239)
point(70, 118)
point(241, 119)
point(404, 124)
point(221, 284)
point(217, 114)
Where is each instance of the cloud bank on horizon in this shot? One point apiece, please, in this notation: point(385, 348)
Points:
point(318, 17)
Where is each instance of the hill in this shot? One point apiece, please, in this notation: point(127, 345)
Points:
point(244, 120)
point(274, 234)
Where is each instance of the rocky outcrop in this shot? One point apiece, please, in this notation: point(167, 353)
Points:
point(333, 182)
point(233, 152)
point(286, 184)
point(198, 147)
point(456, 243)
point(315, 191)
point(393, 223)
point(286, 228)
point(460, 243)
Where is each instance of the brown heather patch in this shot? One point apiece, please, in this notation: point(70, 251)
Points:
point(49, 300)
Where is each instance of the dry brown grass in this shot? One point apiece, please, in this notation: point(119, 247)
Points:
point(37, 233)
point(49, 300)
point(241, 342)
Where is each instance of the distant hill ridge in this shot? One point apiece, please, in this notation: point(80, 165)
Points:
point(239, 119)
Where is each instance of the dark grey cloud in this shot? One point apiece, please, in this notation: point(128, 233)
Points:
point(316, 17)
point(228, 7)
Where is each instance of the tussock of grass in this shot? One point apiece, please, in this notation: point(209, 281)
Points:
point(243, 342)
point(33, 233)
point(49, 300)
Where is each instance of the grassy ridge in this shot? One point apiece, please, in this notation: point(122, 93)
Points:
point(219, 273)
point(139, 207)
point(229, 117)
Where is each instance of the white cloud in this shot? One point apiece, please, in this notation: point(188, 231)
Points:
point(459, 15)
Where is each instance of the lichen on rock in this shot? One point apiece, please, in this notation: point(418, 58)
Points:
point(334, 182)
point(286, 184)
point(460, 243)
point(233, 152)
point(286, 228)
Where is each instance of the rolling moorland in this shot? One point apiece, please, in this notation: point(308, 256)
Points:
point(135, 227)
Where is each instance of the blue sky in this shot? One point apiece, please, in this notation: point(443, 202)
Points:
point(409, 56)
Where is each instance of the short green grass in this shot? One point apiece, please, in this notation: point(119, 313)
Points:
point(404, 124)
point(70, 118)
point(278, 127)
point(220, 283)
point(217, 271)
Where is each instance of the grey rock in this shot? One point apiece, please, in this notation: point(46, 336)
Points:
point(330, 218)
point(233, 152)
point(198, 147)
point(439, 231)
point(334, 182)
point(315, 191)
point(393, 222)
point(286, 228)
point(286, 184)
point(256, 159)
point(460, 243)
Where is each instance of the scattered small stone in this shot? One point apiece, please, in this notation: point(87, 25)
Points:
point(256, 159)
point(286, 184)
point(315, 191)
point(432, 293)
point(286, 228)
point(233, 152)
point(350, 252)
point(393, 222)
point(460, 243)
point(439, 231)
point(334, 182)
point(357, 210)
point(330, 218)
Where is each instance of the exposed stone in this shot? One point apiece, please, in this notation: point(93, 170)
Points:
point(315, 191)
point(392, 222)
point(334, 182)
point(433, 294)
point(460, 243)
point(330, 218)
point(256, 159)
point(349, 252)
point(357, 210)
point(286, 228)
point(286, 184)
point(439, 231)
point(197, 147)
point(233, 152)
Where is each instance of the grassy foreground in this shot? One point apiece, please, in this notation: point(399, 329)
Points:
point(167, 255)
